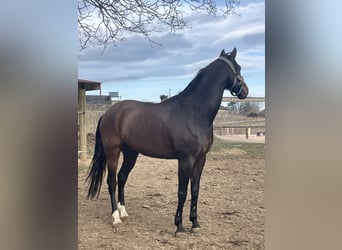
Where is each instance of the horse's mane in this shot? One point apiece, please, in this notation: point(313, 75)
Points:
point(193, 84)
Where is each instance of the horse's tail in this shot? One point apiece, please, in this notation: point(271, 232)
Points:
point(98, 164)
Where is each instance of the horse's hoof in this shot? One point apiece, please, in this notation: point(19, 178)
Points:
point(195, 230)
point(122, 211)
point(116, 222)
point(124, 218)
point(116, 218)
point(181, 234)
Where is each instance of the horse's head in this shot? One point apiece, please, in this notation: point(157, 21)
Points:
point(235, 82)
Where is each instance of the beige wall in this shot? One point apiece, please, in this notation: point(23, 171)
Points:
point(93, 114)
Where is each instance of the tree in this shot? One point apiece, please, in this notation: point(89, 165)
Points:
point(232, 106)
point(163, 97)
point(249, 108)
point(104, 21)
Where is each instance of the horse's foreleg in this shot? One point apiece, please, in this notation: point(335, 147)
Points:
point(129, 159)
point(195, 185)
point(112, 162)
point(184, 167)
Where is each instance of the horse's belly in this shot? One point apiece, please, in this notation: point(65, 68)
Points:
point(153, 149)
point(150, 143)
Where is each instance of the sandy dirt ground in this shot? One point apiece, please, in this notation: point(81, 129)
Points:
point(231, 207)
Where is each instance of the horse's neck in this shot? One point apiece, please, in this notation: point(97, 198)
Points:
point(204, 101)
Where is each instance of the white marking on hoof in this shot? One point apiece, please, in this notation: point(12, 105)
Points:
point(116, 217)
point(122, 211)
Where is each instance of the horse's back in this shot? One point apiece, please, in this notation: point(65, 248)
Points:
point(160, 130)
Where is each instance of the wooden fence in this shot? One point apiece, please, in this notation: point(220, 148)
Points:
point(247, 130)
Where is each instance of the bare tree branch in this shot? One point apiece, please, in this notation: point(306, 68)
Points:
point(107, 21)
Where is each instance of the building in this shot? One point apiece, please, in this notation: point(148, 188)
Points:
point(83, 86)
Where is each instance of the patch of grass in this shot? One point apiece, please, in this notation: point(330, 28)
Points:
point(251, 150)
point(220, 145)
point(254, 150)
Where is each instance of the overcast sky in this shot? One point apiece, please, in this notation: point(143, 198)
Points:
point(140, 71)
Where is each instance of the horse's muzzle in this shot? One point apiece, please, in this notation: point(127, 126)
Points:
point(244, 92)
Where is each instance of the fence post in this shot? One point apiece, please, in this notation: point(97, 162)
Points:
point(82, 131)
point(248, 132)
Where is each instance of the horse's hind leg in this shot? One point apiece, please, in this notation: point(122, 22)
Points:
point(129, 159)
point(112, 164)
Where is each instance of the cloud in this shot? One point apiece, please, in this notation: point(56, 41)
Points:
point(181, 55)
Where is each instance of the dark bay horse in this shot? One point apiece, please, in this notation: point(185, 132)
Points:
point(180, 127)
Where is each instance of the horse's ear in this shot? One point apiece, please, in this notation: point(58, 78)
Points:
point(222, 53)
point(233, 53)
